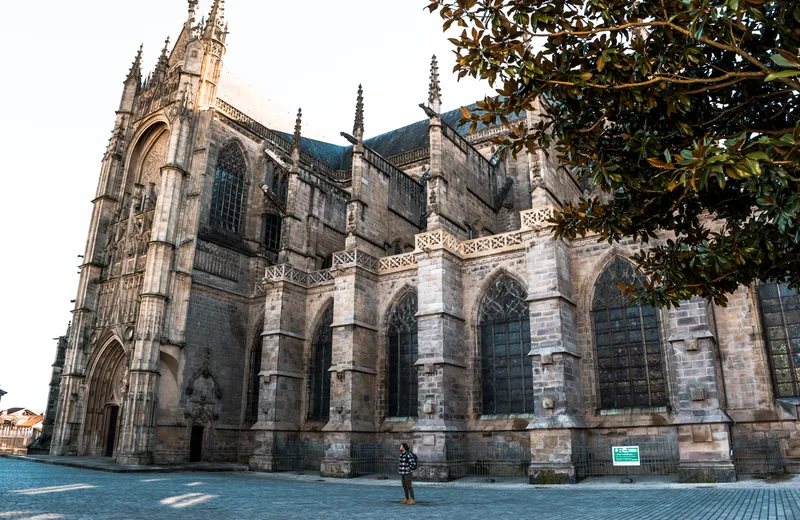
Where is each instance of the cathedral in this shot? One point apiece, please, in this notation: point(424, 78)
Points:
point(251, 295)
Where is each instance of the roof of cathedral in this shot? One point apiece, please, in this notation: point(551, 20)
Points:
point(394, 142)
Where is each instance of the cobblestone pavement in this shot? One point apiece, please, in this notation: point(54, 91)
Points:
point(39, 491)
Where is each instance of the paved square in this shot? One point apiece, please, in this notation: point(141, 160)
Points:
point(40, 491)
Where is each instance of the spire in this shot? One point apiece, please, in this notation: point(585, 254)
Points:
point(434, 90)
point(163, 62)
point(136, 68)
point(297, 125)
point(296, 141)
point(215, 27)
point(358, 124)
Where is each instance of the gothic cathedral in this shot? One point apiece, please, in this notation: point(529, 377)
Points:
point(247, 292)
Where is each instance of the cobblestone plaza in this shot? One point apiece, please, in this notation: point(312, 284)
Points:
point(41, 491)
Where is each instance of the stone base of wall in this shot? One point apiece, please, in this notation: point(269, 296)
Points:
point(433, 472)
point(551, 474)
point(706, 472)
point(337, 468)
point(261, 463)
point(135, 459)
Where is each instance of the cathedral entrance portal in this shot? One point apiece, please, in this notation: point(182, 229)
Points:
point(111, 437)
point(196, 444)
point(104, 388)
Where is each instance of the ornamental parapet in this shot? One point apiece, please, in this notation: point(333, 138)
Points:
point(355, 258)
point(398, 262)
point(476, 247)
point(290, 273)
point(537, 218)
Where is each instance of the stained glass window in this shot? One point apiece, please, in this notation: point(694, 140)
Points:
point(320, 366)
point(780, 315)
point(505, 341)
point(227, 196)
point(402, 356)
point(628, 343)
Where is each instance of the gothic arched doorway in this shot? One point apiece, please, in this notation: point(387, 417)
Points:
point(104, 396)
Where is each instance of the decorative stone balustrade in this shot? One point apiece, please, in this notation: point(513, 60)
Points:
point(354, 257)
point(493, 244)
point(537, 218)
point(398, 262)
point(287, 272)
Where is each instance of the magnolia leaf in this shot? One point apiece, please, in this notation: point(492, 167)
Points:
point(782, 74)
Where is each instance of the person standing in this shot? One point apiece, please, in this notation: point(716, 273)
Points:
point(406, 465)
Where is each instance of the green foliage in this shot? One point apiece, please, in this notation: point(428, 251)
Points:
point(683, 115)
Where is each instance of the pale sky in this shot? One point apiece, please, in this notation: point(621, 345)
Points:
point(61, 81)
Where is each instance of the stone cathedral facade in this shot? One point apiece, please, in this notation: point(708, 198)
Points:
point(244, 288)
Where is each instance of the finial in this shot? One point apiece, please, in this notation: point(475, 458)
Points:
point(358, 124)
point(136, 67)
point(297, 125)
point(434, 90)
point(163, 62)
point(216, 21)
point(193, 4)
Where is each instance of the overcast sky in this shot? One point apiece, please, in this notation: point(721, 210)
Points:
point(61, 81)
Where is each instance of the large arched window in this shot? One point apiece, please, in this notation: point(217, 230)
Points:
point(780, 314)
point(320, 366)
point(630, 363)
point(227, 197)
point(402, 356)
point(505, 341)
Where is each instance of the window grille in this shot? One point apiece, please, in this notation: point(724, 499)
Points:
point(320, 366)
point(227, 197)
point(628, 343)
point(403, 382)
point(272, 232)
point(780, 315)
point(505, 341)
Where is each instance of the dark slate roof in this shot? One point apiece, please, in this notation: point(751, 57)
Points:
point(330, 154)
point(404, 139)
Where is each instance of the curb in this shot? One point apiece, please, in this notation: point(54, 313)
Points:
point(128, 469)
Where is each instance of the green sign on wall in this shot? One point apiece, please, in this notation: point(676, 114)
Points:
point(625, 455)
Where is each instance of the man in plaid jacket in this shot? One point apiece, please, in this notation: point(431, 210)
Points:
point(407, 464)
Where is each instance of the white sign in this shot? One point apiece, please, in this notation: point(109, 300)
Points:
point(625, 455)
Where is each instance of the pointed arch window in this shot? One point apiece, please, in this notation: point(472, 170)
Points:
point(279, 184)
point(227, 196)
point(630, 362)
point(255, 382)
point(780, 316)
point(403, 384)
point(505, 341)
point(272, 231)
point(320, 367)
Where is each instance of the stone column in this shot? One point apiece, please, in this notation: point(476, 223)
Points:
point(557, 424)
point(354, 359)
point(137, 427)
point(442, 363)
point(703, 431)
point(281, 376)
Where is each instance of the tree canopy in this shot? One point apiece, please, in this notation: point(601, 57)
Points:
point(682, 114)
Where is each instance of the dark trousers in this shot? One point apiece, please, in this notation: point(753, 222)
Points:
point(408, 489)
